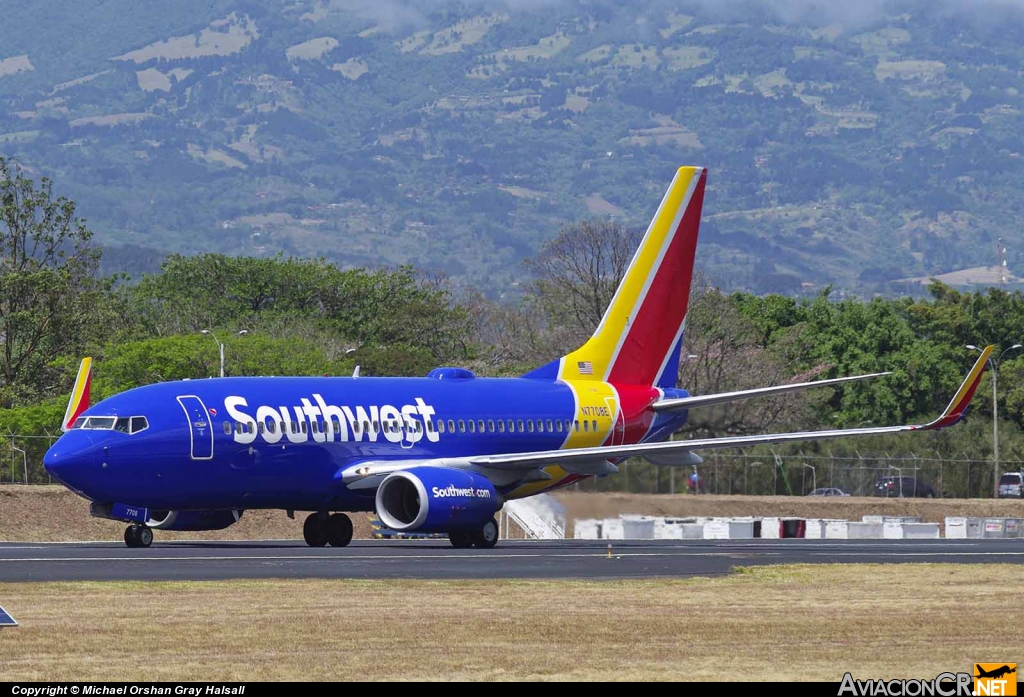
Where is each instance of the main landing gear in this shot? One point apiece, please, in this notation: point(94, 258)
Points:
point(322, 529)
point(484, 538)
point(138, 536)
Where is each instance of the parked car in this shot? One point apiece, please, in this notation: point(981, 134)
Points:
point(907, 487)
point(828, 491)
point(1011, 485)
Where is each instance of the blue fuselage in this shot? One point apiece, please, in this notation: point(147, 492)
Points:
point(264, 442)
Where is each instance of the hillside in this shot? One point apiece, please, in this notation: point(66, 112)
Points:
point(853, 150)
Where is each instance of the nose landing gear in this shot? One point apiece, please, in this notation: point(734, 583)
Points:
point(138, 536)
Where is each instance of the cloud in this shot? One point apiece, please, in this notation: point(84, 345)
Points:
point(858, 12)
point(404, 15)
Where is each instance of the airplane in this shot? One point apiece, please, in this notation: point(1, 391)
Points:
point(434, 454)
point(995, 673)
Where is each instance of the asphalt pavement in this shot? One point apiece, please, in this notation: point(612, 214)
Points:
point(436, 559)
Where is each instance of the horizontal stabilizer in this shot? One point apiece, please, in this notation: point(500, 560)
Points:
point(723, 397)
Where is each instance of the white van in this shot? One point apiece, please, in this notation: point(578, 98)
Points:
point(1011, 485)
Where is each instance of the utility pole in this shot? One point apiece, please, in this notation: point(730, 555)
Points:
point(995, 416)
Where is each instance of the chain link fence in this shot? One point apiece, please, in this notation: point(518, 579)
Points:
point(21, 458)
point(798, 474)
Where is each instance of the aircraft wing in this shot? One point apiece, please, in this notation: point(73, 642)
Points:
point(590, 460)
point(710, 399)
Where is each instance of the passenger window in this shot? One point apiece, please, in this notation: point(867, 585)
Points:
point(593, 426)
point(540, 426)
point(462, 426)
point(480, 426)
point(239, 427)
point(558, 426)
point(227, 428)
point(440, 426)
point(122, 425)
point(337, 425)
point(430, 426)
point(521, 429)
point(511, 426)
point(472, 426)
point(568, 425)
point(529, 425)
point(501, 426)
point(586, 425)
point(490, 425)
point(271, 427)
point(303, 427)
point(551, 428)
point(451, 426)
point(259, 428)
point(576, 425)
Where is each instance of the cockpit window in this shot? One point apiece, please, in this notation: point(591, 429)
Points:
point(100, 423)
point(124, 424)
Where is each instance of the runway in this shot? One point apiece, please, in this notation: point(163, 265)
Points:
point(436, 559)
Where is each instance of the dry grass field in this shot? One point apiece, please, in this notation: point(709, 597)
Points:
point(777, 623)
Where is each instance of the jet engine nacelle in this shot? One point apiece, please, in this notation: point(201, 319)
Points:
point(193, 521)
point(436, 499)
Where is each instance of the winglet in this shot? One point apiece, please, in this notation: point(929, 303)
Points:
point(962, 399)
point(79, 401)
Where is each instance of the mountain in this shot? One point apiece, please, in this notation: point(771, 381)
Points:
point(850, 146)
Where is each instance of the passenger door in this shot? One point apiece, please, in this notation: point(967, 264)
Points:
point(200, 427)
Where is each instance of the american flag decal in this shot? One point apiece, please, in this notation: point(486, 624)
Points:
point(586, 367)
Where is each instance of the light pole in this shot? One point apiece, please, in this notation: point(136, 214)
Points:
point(221, 346)
point(814, 477)
point(995, 416)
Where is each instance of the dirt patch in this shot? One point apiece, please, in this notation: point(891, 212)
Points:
point(593, 505)
point(771, 623)
point(54, 514)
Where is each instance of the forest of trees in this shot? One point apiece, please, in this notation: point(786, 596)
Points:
point(310, 317)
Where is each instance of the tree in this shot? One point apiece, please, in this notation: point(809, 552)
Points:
point(578, 271)
point(48, 284)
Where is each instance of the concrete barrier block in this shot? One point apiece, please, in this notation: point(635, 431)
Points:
point(815, 529)
point(771, 528)
point(837, 530)
point(612, 529)
point(892, 530)
point(587, 529)
point(637, 529)
point(920, 531)
point(729, 529)
point(863, 531)
point(962, 528)
point(692, 531)
point(995, 528)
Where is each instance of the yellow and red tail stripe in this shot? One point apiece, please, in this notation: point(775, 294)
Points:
point(962, 399)
point(643, 322)
point(79, 401)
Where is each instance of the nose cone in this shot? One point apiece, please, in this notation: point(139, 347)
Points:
point(70, 461)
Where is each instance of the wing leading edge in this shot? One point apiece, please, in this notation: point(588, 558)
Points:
point(723, 397)
point(591, 460)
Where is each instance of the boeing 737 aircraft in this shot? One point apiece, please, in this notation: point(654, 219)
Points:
point(441, 453)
